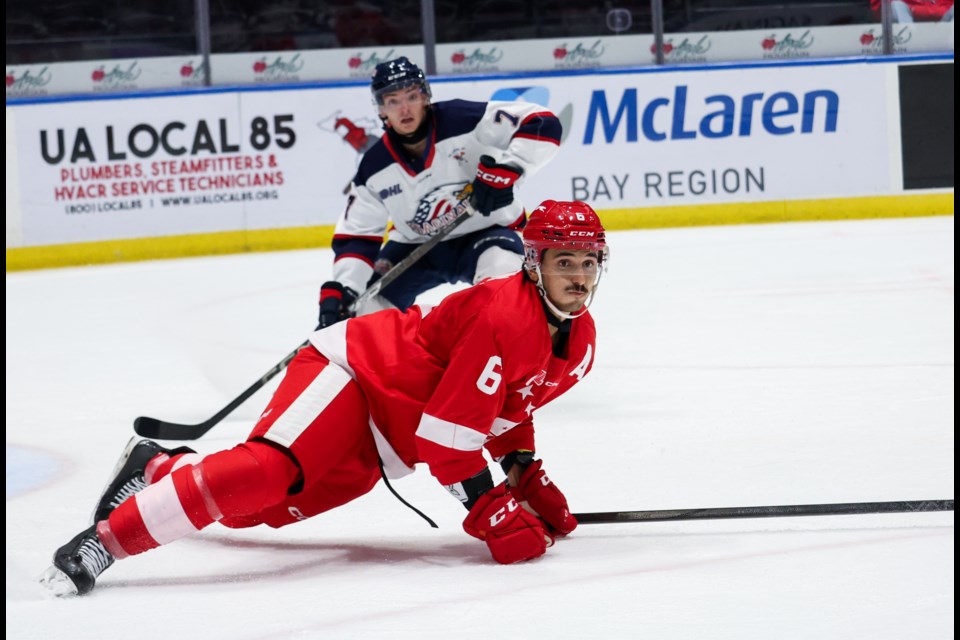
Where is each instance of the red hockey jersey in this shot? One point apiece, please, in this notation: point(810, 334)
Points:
point(442, 383)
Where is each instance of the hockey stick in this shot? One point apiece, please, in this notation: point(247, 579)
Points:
point(723, 513)
point(157, 429)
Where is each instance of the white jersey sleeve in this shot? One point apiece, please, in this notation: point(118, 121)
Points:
point(357, 238)
point(521, 134)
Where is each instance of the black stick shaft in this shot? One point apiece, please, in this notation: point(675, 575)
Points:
point(723, 513)
point(162, 430)
point(460, 214)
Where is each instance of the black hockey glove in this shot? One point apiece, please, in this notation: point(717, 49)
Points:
point(493, 186)
point(335, 302)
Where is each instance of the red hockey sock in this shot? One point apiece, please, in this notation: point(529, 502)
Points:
point(237, 482)
point(162, 464)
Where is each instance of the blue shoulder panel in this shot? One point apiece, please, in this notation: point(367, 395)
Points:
point(376, 159)
point(456, 117)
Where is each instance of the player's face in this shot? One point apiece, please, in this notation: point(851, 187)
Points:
point(404, 109)
point(569, 276)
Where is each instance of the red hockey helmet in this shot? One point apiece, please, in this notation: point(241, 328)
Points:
point(562, 225)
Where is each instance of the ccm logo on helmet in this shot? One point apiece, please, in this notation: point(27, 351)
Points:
point(583, 233)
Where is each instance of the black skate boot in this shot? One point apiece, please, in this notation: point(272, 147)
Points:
point(127, 478)
point(77, 564)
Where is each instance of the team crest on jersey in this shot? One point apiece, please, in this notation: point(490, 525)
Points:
point(459, 154)
point(539, 378)
point(436, 209)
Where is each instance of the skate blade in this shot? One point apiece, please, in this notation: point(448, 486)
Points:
point(58, 583)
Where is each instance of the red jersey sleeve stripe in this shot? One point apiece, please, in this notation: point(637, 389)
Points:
point(545, 115)
point(530, 136)
point(542, 126)
point(347, 236)
point(356, 256)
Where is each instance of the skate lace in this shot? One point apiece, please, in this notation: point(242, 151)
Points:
point(136, 484)
point(93, 556)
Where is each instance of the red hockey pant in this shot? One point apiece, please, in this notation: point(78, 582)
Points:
point(310, 451)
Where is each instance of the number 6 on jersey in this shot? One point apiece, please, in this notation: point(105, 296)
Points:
point(489, 380)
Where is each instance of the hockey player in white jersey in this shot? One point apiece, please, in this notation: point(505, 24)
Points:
point(431, 155)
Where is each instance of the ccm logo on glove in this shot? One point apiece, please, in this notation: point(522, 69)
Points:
point(497, 179)
point(493, 185)
point(512, 533)
point(500, 515)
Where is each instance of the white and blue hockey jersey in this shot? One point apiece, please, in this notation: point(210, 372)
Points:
point(392, 192)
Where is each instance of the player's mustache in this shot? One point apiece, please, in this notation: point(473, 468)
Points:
point(577, 288)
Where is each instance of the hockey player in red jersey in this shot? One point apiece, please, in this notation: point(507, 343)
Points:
point(377, 395)
point(433, 154)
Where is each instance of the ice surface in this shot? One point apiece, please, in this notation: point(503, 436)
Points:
point(746, 365)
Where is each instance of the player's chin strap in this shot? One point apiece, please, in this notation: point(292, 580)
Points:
point(553, 308)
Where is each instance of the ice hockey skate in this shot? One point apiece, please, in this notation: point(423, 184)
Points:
point(77, 564)
point(128, 477)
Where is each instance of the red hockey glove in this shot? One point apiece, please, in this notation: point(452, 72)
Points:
point(511, 532)
point(493, 185)
point(543, 497)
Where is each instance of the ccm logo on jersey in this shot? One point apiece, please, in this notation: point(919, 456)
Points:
point(583, 233)
point(502, 512)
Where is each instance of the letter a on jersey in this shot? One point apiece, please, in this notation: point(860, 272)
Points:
point(581, 369)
